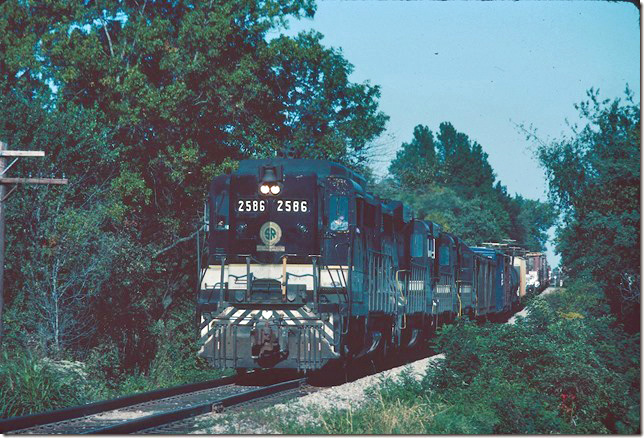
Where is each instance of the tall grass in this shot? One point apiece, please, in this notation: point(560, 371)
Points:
point(29, 385)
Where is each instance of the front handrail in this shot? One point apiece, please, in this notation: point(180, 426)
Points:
point(403, 298)
point(221, 281)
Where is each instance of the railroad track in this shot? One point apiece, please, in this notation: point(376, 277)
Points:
point(152, 412)
point(256, 402)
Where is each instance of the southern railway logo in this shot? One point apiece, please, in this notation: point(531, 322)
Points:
point(270, 233)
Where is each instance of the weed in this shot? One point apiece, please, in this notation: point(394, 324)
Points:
point(29, 384)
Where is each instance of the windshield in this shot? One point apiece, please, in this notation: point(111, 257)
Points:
point(338, 213)
point(416, 245)
point(221, 212)
point(443, 253)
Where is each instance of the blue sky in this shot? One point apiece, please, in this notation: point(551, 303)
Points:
point(485, 67)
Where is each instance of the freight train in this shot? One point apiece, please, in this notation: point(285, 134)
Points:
point(305, 267)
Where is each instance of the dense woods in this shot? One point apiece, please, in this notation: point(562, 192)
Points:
point(141, 103)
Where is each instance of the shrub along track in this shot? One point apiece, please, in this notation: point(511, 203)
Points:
point(152, 409)
point(173, 410)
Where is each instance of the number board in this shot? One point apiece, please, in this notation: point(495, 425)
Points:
point(279, 205)
point(251, 205)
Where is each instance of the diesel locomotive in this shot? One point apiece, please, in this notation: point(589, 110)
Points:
point(304, 266)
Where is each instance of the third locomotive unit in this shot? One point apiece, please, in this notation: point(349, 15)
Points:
point(305, 266)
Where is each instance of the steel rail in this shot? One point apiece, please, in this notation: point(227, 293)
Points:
point(31, 420)
point(160, 419)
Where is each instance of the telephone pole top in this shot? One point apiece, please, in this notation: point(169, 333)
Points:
point(4, 182)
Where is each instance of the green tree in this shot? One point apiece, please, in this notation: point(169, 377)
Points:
point(594, 179)
point(140, 104)
point(325, 116)
point(415, 164)
point(447, 179)
point(534, 219)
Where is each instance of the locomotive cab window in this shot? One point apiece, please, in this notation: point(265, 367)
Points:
point(443, 254)
point(416, 245)
point(221, 212)
point(338, 213)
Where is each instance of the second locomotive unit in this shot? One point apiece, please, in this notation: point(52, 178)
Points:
point(305, 267)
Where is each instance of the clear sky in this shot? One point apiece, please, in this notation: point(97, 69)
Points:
point(484, 67)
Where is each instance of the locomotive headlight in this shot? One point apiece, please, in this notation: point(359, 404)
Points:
point(302, 228)
point(264, 189)
point(241, 228)
point(275, 189)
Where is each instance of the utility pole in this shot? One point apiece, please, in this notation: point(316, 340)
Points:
point(4, 153)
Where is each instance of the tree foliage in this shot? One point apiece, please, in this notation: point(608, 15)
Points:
point(140, 104)
point(325, 116)
point(447, 178)
point(594, 179)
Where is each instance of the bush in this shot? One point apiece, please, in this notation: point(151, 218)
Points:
point(566, 368)
point(29, 385)
point(175, 361)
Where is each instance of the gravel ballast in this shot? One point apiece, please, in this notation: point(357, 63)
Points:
point(308, 409)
